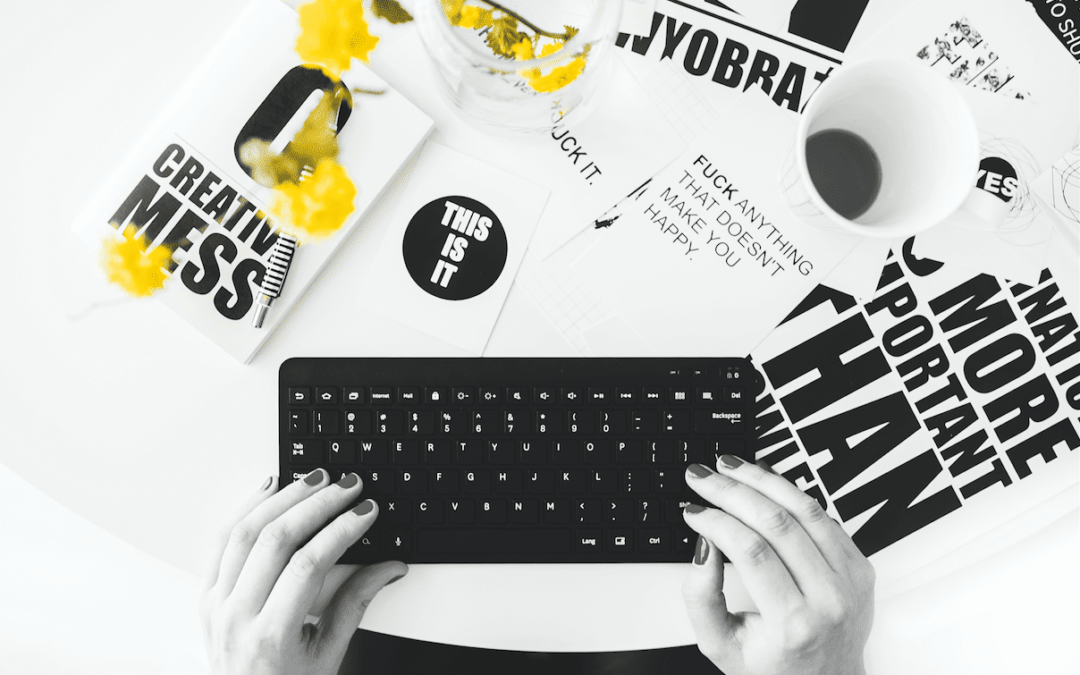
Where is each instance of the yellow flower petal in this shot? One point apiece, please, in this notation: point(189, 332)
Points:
point(125, 263)
point(317, 206)
point(332, 32)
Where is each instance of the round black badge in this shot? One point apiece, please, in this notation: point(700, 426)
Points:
point(997, 177)
point(454, 248)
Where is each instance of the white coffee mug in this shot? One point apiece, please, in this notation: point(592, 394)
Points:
point(921, 131)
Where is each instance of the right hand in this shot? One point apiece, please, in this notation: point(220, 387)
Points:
point(813, 588)
point(272, 562)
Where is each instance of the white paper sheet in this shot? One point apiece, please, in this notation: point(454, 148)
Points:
point(586, 168)
point(436, 255)
point(709, 260)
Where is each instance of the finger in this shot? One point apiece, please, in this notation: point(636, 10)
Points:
point(772, 521)
point(346, 610)
point(765, 576)
point(217, 550)
point(835, 544)
point(298, 586)
point(715, 628)
point(281, 538)
point(242, 536)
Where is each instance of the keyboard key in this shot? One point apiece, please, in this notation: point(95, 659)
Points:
point(308, 453)
point(342, 452)
point(500, 453)
point(643, 421)
point(390, 422)
point(374, 452)
point(617, 540)
point(437, 452)
point(469, 452)
point(524, 512)
point(492, 540)
point(412, 482)
point(445, 481)
point(599, 395)
point(421, 422)
point(396, 511)
point(662, 452)
point(326, 422)
point(580, 422)
point(548, 422)
point(619, 511)
point(566, 452)
point(453, 421)
point(515, 423)
point(462, 395)
point(626, 395)
point(398, 541)
point(540, 482)
point(408, 395)
point(298, 422)
point(490, 395)
point(405, 452)
point(435, 394)
point(588, 541)
point(461, 512)
point(717, 422)
point(679, 395)
point(493, 512)
point(708, 395)
point(509, 482)
point(676, 422)
point(634, 481)
point(613, 422)
point(358, 422)
point(654, 540)
point(478, 482)
point(382, 395)
point(573, 395)
point(326, 396)
point(532, 452)
point(353, 394)
point(648, 511)
point(545, 395)
point(517, 395)
point(603, 482)
point(429, 511)
point(589, 512)
point(628, 452)
point(572, 482)
point(733, 396)
point(486, 422)
point(299, 396)
point(378, 482)
point(652, 395)
point(555, 511)
point(597, 452)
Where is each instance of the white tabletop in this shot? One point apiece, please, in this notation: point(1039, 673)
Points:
point(135, 422)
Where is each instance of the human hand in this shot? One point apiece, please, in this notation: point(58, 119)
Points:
point(269, 565)
point(813, 588)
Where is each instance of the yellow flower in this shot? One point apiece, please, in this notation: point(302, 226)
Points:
point(127, 265)
point(332, 32)
point(559, 77)
point(318, 205)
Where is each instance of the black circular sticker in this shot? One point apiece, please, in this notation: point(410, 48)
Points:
point(454, 248)
point(997, 177)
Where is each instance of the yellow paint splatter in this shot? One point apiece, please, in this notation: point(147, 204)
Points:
point(127, 265)
point(317, 206)
point(332, 32)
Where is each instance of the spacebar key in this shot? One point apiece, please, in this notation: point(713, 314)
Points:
point(493, 541)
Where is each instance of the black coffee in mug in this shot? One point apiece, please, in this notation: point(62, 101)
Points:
point(845, 171)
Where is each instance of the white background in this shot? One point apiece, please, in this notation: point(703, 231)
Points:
point(127, 436)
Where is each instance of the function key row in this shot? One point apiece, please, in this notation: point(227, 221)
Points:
point(513, 395)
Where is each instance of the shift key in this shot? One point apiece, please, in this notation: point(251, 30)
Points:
point(718, 421)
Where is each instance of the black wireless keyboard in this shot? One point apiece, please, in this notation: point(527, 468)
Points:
point(517, 459)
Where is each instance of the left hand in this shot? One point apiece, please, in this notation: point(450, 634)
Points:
point(272, 562)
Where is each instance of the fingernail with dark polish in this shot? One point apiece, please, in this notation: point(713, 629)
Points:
point(268, 483)
point(701, 551)
point(315, 477)
point(365, 507)
point(701, 471)
point(348, 481)
point(693, 508)
point(731, 461)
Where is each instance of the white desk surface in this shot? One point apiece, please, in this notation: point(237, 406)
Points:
point(130, 420)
